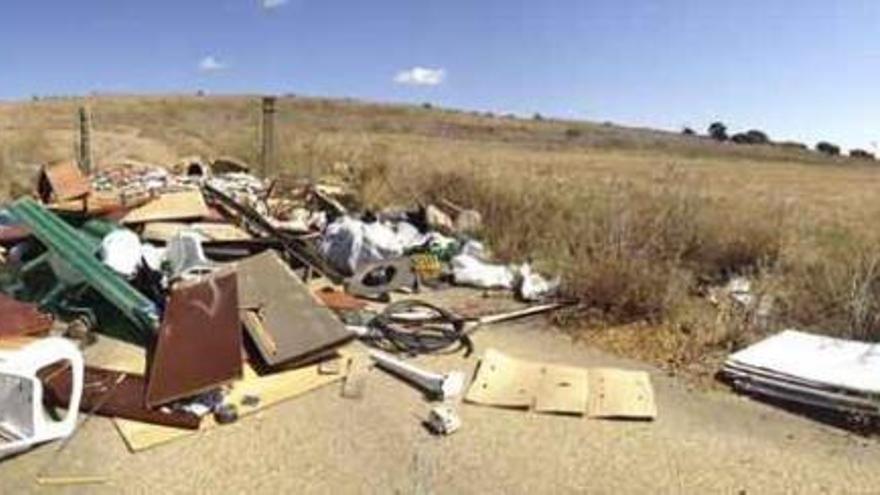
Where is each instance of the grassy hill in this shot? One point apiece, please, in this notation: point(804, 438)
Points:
point(638, 222)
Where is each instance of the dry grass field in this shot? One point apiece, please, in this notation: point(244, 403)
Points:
point(639, 223)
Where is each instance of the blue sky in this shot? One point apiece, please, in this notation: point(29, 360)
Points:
point(804, 70)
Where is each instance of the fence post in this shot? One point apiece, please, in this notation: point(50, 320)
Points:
point(267, 154)
point(85, 141)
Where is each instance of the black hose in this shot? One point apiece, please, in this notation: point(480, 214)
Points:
point(441, 331)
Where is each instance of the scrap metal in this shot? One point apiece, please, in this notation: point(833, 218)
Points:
point(296, 249)
point(199, 345)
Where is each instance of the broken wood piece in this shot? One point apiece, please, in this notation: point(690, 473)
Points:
point(62, 180)
point(19, 319)
point(207, 231)
point(170, 206)
point(71, 480)
point(123, 400)
point(293, 324)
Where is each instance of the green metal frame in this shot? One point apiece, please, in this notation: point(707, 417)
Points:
point(77, 250)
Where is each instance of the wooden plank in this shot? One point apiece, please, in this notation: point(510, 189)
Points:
point(164, 231)
point(170, 206)
point(270, 389)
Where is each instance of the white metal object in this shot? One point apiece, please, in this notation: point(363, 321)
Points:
point(441, 386)
point(186, 256)
point(443, 420)
point(23, 422)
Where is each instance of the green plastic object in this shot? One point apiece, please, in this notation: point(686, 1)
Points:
point(77, 252)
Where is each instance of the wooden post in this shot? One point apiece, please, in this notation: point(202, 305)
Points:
point(267, 155)
point(85, 141)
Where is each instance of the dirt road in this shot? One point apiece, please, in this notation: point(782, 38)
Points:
point(702, 442)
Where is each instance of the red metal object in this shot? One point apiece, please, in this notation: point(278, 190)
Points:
point(198, 347)
point(124, 399)
point(340, 301)
point(18, 318)
point(11, 235)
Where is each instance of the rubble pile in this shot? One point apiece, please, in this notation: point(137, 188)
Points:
point(216, 293)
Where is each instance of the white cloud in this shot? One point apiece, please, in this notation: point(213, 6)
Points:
point(420, 76)
point(272, 4)
point(211, 64)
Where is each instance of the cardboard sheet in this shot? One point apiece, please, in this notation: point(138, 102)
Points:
point(503, 381)
point(562, 389)
point(170, 206)
point(621, 394)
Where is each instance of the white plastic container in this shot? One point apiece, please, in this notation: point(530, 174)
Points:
point(23, 420)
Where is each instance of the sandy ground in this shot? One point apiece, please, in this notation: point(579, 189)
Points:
point(702, 442)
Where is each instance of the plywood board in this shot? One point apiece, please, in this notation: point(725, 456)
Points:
point(170, 206)
point(562, 389)
point(164, 231)
point(294, 324)
point(271, 389)
point(621, 394)
point(504, 381)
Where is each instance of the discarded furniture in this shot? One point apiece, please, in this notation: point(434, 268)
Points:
point(810, 370)
point(199, 345)
point(72, 257)
point(23, 422)
point(285, 321)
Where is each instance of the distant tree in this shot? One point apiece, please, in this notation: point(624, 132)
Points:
point(537, 116)
point(750, 137)
point(740, 138)
point(718, 131)
point(758, 137)
point(794, 145)
point(828, 148)
point(427, 105)
point(861, 154)
point(687, 131)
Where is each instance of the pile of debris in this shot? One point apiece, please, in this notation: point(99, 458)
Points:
point(217, 294)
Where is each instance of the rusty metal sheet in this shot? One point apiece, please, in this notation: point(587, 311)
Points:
point(63, 180)
point(340, 301)
point(293, 325)
point(124, 399)
point(199, 344)
point(18, 318)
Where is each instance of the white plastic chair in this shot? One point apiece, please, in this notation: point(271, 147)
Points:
point(23, 420)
